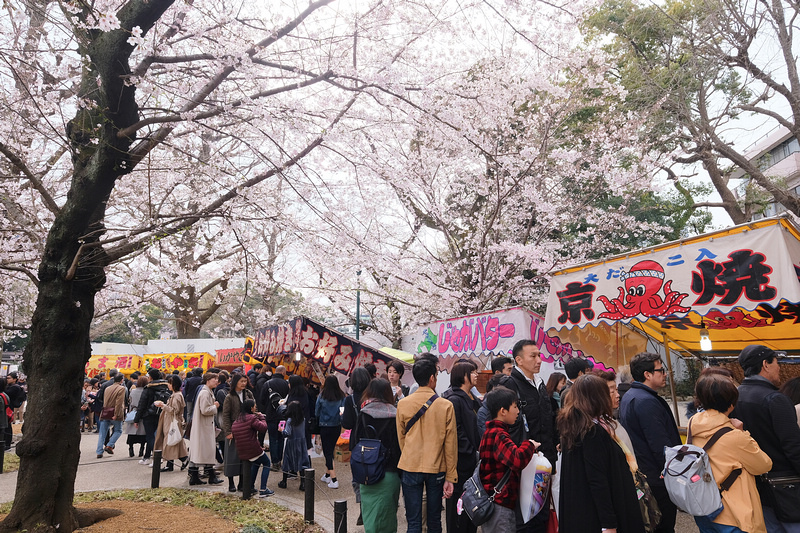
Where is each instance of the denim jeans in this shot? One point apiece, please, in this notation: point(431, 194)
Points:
point(263, 460)
point(275, 442)
point(776, 526)
point(413, 482)
point(101, 437)
point(708, 526)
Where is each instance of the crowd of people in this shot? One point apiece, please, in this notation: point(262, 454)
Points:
point(603, 434)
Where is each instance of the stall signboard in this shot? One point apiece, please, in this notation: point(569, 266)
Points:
point(483, 336)
point(333, 351)
point(127, 364)
point(740, 284)
point(167, 362)
point(230, 358)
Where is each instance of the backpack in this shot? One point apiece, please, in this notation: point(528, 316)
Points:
point(368, 459)
point(159, 393)
point(689, 480)
point(7, 402)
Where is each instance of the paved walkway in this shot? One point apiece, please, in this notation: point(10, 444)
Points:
point(119, 471)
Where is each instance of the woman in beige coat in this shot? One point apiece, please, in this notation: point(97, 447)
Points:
point(203, 436)
point(172, 411)
point(735, 449)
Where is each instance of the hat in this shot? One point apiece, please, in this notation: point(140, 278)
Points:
point(754, 355)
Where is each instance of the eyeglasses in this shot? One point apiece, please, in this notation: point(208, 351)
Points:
point(662, 370)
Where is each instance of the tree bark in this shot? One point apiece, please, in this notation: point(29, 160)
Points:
point(71, 273)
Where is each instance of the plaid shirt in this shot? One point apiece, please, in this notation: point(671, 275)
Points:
point(499, 453)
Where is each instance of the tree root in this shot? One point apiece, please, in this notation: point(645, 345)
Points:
point(87, 517)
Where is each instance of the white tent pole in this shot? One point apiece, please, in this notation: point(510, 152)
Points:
point(671, 380)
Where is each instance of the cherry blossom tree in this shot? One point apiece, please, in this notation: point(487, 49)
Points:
point(165, 150)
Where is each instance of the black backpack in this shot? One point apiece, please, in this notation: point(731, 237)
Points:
point(159, 394)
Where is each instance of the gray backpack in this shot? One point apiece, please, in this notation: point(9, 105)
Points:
point(688, 478)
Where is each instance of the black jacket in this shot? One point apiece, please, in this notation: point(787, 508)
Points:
point(770, 418)
point(597, 488)
point(277, 384)
point(650, 424)
point(469, 440)
point(535, 406)
point(258, 393)
point(190, 388)
point(148, 397)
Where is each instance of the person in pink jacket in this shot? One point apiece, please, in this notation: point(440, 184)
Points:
point(245, 431)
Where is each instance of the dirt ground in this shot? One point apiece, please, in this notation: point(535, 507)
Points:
point(146, 516)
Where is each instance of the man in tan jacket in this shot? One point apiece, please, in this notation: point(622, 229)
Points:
point(114, 398)
point(426, 429)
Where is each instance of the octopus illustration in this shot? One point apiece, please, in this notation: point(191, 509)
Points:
point(733, 319)
point(640, 295)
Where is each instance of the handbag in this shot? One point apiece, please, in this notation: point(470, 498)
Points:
point(131, 416)
point(107, 413)
point(651, 514)
point(313, 425)
point(479, 505)
point(174, 434)
point(784, 491)
point(368, 460)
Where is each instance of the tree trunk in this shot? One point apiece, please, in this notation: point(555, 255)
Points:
point(50, 449)
point(71, 272)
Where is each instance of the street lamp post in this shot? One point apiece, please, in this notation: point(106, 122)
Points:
point(358, 304)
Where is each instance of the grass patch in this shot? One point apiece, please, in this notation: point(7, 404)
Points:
point(264, 514)
point(10, 462)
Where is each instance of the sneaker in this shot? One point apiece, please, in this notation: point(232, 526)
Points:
point(333, 484)
point(326, 478)
point(145, 462)
point(266, 493)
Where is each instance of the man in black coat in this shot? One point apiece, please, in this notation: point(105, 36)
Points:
point(190, 388)
point(771, 419)
point(536, 419)
point(651, 426)
point(279, 386)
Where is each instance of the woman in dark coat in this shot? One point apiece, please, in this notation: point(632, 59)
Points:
point(230, 412)
point(379, 501)
point(463, 377)
point(597, 491)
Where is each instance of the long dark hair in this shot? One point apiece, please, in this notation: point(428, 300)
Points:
point(235, 379)
point(295, 411)
point(378, 389)
point(588, 401)
point(297, 388)
point(331, 391)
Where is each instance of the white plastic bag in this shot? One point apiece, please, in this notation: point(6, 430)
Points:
point(534, 486)
point(174, 434)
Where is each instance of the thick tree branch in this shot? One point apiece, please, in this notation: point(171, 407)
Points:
point(35, 181)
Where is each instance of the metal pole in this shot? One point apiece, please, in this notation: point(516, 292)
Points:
point(247, 483)
point(155, 479)
point(309, 477)
point(2, 456)
point(672, 381)
point(358, 305)
point(340, 516)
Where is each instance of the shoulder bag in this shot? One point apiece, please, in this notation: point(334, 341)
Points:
point(479, 505)
point(784, 490)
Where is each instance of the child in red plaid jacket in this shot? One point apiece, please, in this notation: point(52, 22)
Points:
point(498, 453)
